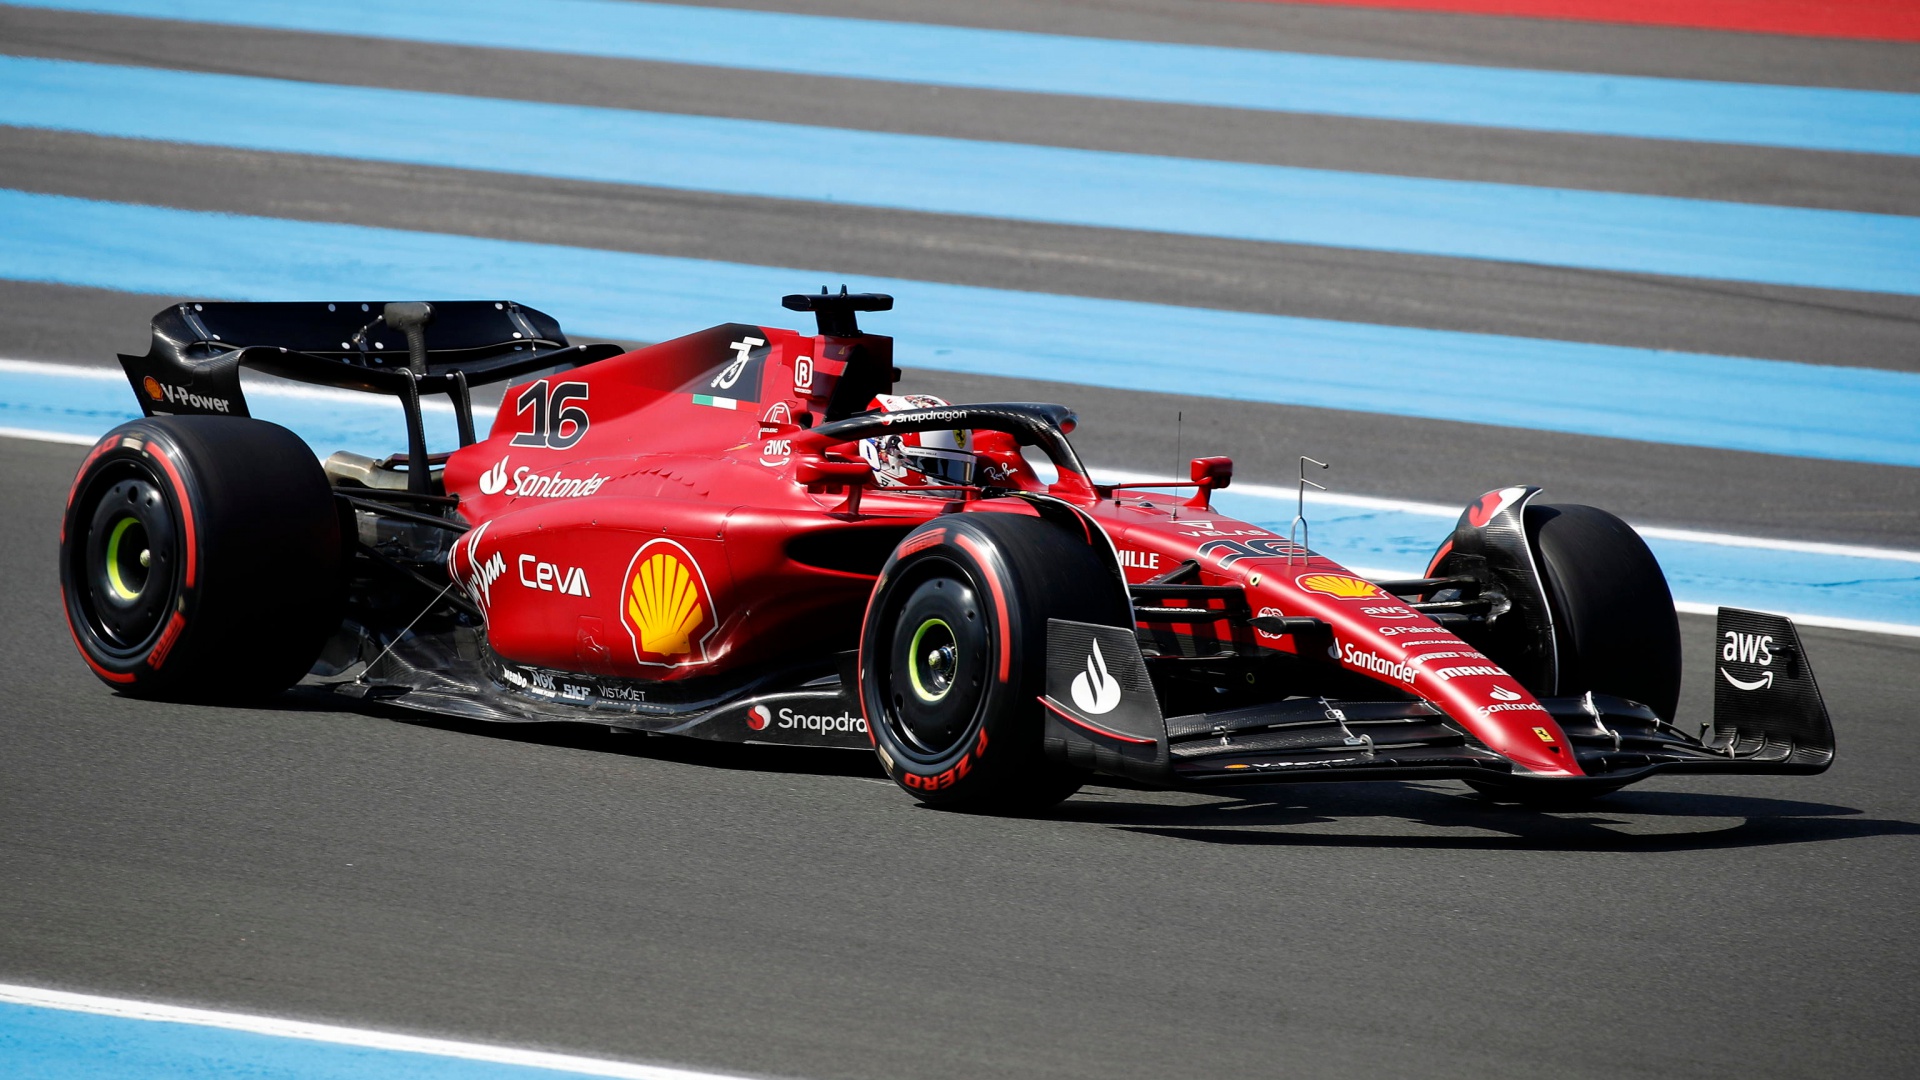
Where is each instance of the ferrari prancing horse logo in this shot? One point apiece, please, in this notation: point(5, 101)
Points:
point(667, 607)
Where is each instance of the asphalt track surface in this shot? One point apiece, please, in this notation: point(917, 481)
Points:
point(791, 913)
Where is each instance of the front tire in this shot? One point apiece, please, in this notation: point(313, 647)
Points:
point(1615, 629)
point(200, 558)
point(953, 657)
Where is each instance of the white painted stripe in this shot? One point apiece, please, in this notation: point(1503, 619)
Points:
point(1441, 510)
point(1865, 626)
point(48, 436)
point(127, 1009)
point(253, 383)
point(76, 371)
point(1835, 622)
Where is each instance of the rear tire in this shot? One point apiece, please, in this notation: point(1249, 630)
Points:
point(953, 657)
point(201, 558)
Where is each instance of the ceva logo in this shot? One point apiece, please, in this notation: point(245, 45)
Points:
point(1095, 690)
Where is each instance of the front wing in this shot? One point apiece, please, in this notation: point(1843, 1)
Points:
point(1768, 718)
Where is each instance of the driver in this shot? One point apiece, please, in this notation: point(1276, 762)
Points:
point(918, 459)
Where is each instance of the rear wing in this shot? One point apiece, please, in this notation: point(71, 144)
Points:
point(405, 349)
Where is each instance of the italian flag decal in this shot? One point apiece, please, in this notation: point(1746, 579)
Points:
point(716, 402)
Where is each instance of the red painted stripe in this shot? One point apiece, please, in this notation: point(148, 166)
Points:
point(1091, 726)
point(1876, 20)
point(981, 556)
point(186, 508)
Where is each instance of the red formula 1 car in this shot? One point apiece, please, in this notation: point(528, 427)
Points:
point(745, 535)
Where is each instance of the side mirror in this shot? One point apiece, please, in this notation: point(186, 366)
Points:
point(814, 470)
point(1210, 474)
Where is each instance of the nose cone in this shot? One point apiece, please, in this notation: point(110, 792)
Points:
point(1378, 635)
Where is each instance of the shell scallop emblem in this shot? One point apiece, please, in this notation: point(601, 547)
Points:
point(667, 607)
point(1340, 585)
point(152, 386)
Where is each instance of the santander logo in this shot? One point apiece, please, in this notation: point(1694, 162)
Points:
point(1095, 690)
point(759, 717)
point(494, 480)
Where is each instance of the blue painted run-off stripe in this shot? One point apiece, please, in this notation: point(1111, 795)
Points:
point(1585, 229)
point(1849, 414)
point(1837, 586)
point(1804, 117)
point(55, 1044)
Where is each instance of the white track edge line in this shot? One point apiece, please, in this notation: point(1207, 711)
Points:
point(48, 436)
point(1258, 491)
point(1798, 547)
point(1690, 536)
point(252, 382)
point(127, 1009)
point(1695, 607)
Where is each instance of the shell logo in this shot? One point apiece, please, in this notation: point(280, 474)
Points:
point(1340, 585)
point(667, 606)
point(152, 386)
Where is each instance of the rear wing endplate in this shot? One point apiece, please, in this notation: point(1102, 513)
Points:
point(404, 349)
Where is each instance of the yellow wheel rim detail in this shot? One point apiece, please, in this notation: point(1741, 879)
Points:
point(114, 581)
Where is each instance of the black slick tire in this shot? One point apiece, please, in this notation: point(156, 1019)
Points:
point(953, 657)
point(201, 558)
point(1615, 629)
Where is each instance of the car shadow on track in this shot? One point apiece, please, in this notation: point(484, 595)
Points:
point(1417, 815)
point(1433, 816)
point(687, 751)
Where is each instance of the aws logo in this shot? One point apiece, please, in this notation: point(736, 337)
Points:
point(667, 608)
point(1340, 585)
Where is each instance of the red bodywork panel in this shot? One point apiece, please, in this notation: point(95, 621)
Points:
point(642, 517)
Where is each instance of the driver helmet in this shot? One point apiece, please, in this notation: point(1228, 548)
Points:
point(918, 458)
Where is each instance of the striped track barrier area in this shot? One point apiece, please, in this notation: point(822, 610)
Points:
point(1593, 230)
point(1811, 118)
point(1846, 414)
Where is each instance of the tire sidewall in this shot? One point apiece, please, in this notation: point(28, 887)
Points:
point(257, 583)
point(1025, 570)
point(144, 450)
point(970, 761)
point(1615, 628)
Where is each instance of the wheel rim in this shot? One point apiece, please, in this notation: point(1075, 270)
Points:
point(933, 659)
point(125, 571)
point(936, 663)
